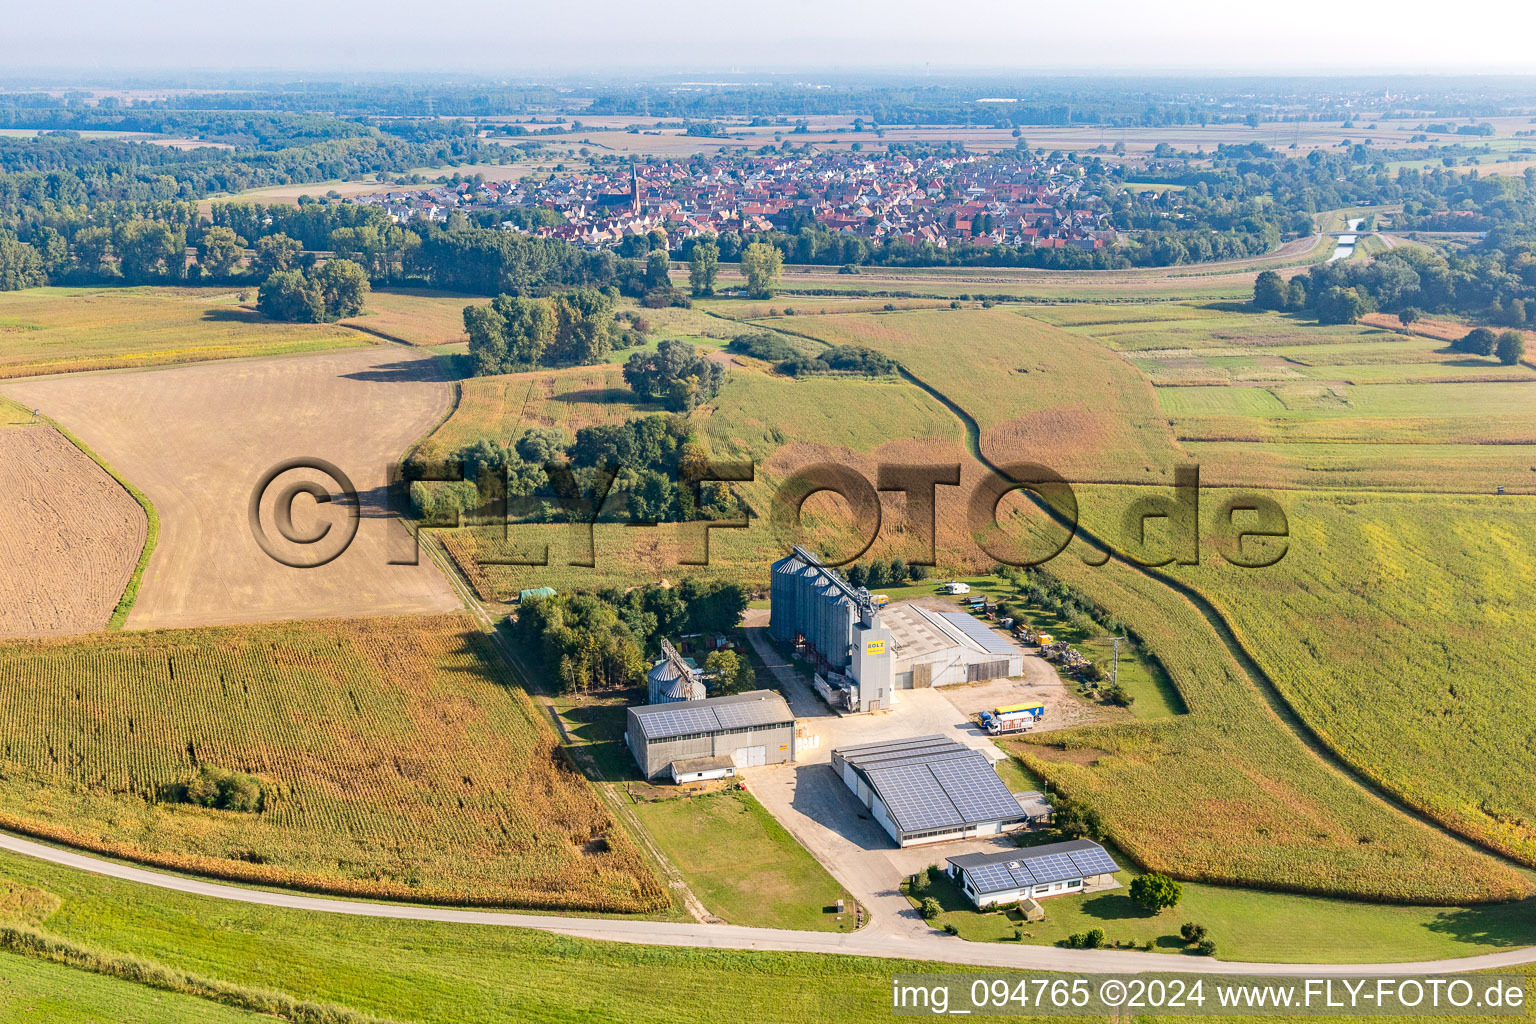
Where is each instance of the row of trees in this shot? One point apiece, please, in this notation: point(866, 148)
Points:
point(655, 457)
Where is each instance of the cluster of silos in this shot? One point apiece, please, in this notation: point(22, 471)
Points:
point(671, 679)
point(807, 601)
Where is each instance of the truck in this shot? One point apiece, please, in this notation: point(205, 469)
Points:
point(1012, 718)
point(1044, 640)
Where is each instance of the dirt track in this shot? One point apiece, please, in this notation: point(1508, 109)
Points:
point(196, 439)
point(71, 536)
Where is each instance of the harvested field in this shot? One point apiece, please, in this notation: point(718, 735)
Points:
point(72, 536)
point(415, 317)
point(394, 758)
point(196, 439)
point(64, 330)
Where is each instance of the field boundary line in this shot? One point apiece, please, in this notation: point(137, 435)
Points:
point(130, 593)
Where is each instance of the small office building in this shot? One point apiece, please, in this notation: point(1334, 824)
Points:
point(1034, 872)
point(749, 729)
point(928, 789)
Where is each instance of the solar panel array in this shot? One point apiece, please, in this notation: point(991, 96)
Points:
point(1056, 867)
point(1022, 869)
point(996, 878)
point(957, 788)
point(978, 794)
point(1094, 862)
point(685, 720)
point(986, 637)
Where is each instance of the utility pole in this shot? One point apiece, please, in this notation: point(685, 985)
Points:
point(1114, 672)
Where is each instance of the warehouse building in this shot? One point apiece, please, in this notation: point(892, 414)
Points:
point(750, 729)
point(1033, 872)
point(928, 789)
point(934, 648)
point(864, 651)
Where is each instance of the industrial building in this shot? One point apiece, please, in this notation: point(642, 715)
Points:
point(928, 789)
point(1032, 872)
point(674, 678)
point(839, 624)
point(750, 729)
point(864, 651)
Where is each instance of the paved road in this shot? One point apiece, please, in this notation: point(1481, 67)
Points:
point(933, 946)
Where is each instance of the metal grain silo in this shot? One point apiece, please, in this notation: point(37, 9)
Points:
point(783, 597)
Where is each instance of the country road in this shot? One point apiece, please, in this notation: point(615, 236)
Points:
point(936, 946)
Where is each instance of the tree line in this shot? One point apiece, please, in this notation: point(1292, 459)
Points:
point(595, 642)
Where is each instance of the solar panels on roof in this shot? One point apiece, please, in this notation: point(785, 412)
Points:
point(744, 711)
point(945, 787)
point(1094, 862)
point(1040, 865)
point(681, 722)
point(977, 793)
point(983, 635)
point(915, 800)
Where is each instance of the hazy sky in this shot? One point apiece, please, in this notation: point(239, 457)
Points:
point(521, 38)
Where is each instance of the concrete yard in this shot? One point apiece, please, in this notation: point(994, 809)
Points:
point(813, 804)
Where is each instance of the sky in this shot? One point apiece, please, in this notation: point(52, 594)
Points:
point(522, 39)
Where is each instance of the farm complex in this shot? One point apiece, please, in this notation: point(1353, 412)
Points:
point(692, 548)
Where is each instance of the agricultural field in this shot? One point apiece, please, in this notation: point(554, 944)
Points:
point(501, 407)
point(64, 330)
point(779, 423)
point(72, 535)
point(1037, 392)
point(217, 428)
point(1395, 626)
point(414, 317)
point(1501, 412)
point(436, 973)
point(1228, 793)
point(394, 759)
point(40, 990)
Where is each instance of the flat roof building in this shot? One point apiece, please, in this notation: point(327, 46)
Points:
point(1054, 869)
point(753, 728)
point(928, 789)
point(934, 648)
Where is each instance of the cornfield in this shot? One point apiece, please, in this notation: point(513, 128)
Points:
point(398, 762)
point(1228, 794)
